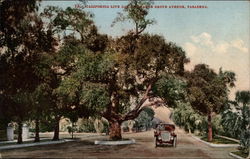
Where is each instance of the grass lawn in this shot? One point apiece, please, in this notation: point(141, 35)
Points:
point(219, 140)
point(239, 153)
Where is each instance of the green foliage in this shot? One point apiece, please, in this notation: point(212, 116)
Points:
point(95, 97)
point(145, 118)
point(207, 90)
point(190, 120)
point(161, 56)
point(243, 97)
point(87, 126)
point(149, 111)
point(69, 53)
point(220, 140)
point(72, 129)
point(231, 121)
point(240, 153)
point(46, 126)
point(216, 125)
point(66, 91)
point(77, 23)
point(95, 67)
point(185, 116)
point(136, 13)
point(245, 141)
point(68, 19)
point(170, 88)
point(25, 43)
point(90, 74)
point(236, 119)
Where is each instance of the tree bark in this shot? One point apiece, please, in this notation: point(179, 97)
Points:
point(20, 132)
point(115, 130)
point(56, 129)
point(72, 132)
point(115, 119)
point(37, 129)
point(210, 131)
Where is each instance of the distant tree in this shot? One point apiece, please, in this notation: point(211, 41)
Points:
point(72, 114)
point(186, 117)
point(145, 118)
point(243, 97)
point(236, 119)
point(208, 91)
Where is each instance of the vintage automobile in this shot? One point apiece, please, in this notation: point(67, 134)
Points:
point(165, 135)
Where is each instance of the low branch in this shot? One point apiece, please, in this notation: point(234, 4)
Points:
point(136, 111)
point(155, 102)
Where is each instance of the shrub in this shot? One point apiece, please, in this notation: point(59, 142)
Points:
point(87, 125)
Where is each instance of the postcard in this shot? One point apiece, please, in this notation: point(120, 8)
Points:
point(124, 79)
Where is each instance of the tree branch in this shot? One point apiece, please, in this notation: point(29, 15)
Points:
point(134, 113)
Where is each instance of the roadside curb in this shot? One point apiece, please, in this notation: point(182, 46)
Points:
point(235, 156)
point(15, 141)
point(124, 142)
point(34, 144)
point(228, 138)
point(215, 145)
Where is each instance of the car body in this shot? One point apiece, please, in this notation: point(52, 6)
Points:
point(165, 135)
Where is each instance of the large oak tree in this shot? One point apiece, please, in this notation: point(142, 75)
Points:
point(113, 78)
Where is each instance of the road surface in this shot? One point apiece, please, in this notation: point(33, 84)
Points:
point(187, 147)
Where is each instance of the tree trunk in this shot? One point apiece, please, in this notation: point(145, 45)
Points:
point(115, 130)
point(248, 157)
point(72, 132)
point(56, 129)
point(210, 131)
point(37, 129)
point(20, 132)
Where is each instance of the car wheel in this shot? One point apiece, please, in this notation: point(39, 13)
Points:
point(175, 142)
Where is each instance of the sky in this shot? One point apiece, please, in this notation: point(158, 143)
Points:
point(218, 35)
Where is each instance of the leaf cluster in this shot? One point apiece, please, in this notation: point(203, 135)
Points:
point(208, 91)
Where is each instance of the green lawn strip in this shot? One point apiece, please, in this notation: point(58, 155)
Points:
point(25, 142)
point(219, 140)
point(241, 154)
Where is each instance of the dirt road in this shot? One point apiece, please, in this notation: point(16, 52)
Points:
point(187, 147)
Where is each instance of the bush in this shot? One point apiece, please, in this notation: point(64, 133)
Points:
point(144, 120)
point(71, 129)
point(87, 125)
point(245, 141)
point(190, 120)
point(187, 118)
point(46, 127)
